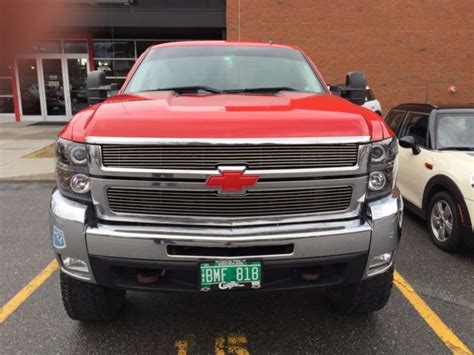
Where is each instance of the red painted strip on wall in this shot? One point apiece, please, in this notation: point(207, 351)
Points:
point(16, 99)
point(91, 52)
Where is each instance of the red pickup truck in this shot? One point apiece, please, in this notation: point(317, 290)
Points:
point(224, 167)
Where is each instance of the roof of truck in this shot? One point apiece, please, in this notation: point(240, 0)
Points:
point(223, 43)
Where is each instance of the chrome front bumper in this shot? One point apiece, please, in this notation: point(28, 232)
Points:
point(84, 237)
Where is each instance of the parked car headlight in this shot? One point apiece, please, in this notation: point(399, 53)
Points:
point(72, 175)
point(383, 167)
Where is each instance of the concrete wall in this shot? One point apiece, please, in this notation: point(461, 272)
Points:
point(410, 50)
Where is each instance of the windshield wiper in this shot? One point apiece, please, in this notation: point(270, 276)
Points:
point(182, 89)
point(457, 148)
point(267, 89)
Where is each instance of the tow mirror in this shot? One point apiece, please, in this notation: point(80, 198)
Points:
point(409, 142)
point(97, 88)
point(357, 82)
point(355, 88)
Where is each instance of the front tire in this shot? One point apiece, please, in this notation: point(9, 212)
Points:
point(365, 297)
point(85, 301)
point(444, 222)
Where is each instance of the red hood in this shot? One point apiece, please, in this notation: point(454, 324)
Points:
point(166, 115)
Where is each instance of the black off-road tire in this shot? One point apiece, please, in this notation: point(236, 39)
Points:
point(85, 301)
point(455, 242)
point(365, 297)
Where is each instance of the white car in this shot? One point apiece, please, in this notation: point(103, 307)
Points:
point(371, 102)
point(436, 168)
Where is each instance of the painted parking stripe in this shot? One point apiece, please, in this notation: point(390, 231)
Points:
point(238, 343)
point(235, 344)
point(181, 347)
point(17, 300)
point(436, 324)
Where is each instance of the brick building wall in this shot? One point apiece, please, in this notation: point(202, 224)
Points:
point(411, 51)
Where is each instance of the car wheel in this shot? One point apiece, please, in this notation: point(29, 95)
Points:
point(444, 222)
point(365, 297)
point(85, 301)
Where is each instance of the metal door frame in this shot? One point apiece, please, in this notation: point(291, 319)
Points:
point(41, 85)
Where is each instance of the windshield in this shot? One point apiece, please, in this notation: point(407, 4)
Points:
point(224, 68)
point(455, 131)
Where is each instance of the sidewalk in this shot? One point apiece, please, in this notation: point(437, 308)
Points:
point(27, 151)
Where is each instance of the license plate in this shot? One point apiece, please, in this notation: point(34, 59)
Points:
point(230, 274)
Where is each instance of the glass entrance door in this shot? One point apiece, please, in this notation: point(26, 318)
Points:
point(30, 99)
point(52, 88)
point(77, 77)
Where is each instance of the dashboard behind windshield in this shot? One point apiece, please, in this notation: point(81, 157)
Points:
point(224, 68)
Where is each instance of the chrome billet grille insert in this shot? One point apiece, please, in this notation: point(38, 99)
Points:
point(195, 203)
point(209, 157)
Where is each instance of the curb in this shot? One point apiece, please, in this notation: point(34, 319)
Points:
point(48, 177)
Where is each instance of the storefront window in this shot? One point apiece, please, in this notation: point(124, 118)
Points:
point(50, 47)
point(6, 94)
point(75, 47)
point(114, 49)
point(143, 45)
point(6, 104)
point(114, 68)
point(77, 70)
point(29, 88)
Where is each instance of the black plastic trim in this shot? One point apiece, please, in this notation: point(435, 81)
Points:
point(183, 276)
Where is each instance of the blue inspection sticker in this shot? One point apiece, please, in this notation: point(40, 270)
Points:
point(59, 241)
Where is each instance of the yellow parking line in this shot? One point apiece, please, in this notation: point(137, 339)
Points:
point(17, 300)
point(181, 347)
point(437, 325)
point(235, 344)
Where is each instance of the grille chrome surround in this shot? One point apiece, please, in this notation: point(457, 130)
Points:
point(209, 204)
point(208, 157)
point(184, 179)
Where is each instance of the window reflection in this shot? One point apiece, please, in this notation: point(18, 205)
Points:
point(29, 89)
point(77, 70)
point(54, 88)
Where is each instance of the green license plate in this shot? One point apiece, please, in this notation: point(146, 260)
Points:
point(230, 274)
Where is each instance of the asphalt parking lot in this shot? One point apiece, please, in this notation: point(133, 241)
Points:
point(296, 322)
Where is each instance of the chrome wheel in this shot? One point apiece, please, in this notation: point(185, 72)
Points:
point(441, 220)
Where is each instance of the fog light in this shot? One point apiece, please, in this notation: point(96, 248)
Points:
point(377, 180)
point(380, 263)
point(80, 183)
point(73, 264)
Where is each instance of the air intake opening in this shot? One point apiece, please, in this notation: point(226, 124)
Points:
point(179, 250)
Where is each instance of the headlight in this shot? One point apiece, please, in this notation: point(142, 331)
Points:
point(383, 168)
point(71, 169)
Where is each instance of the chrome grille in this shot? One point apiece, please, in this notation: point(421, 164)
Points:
point(210, 204)
point(208, 156)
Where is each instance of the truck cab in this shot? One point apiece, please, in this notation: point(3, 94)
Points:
point(225, 167)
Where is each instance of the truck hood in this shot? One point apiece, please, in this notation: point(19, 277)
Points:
point(168, 115)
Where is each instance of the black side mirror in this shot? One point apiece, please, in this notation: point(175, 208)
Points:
point(410, 142)
point(358, 83)
point(355, 88)
point(97, 90)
